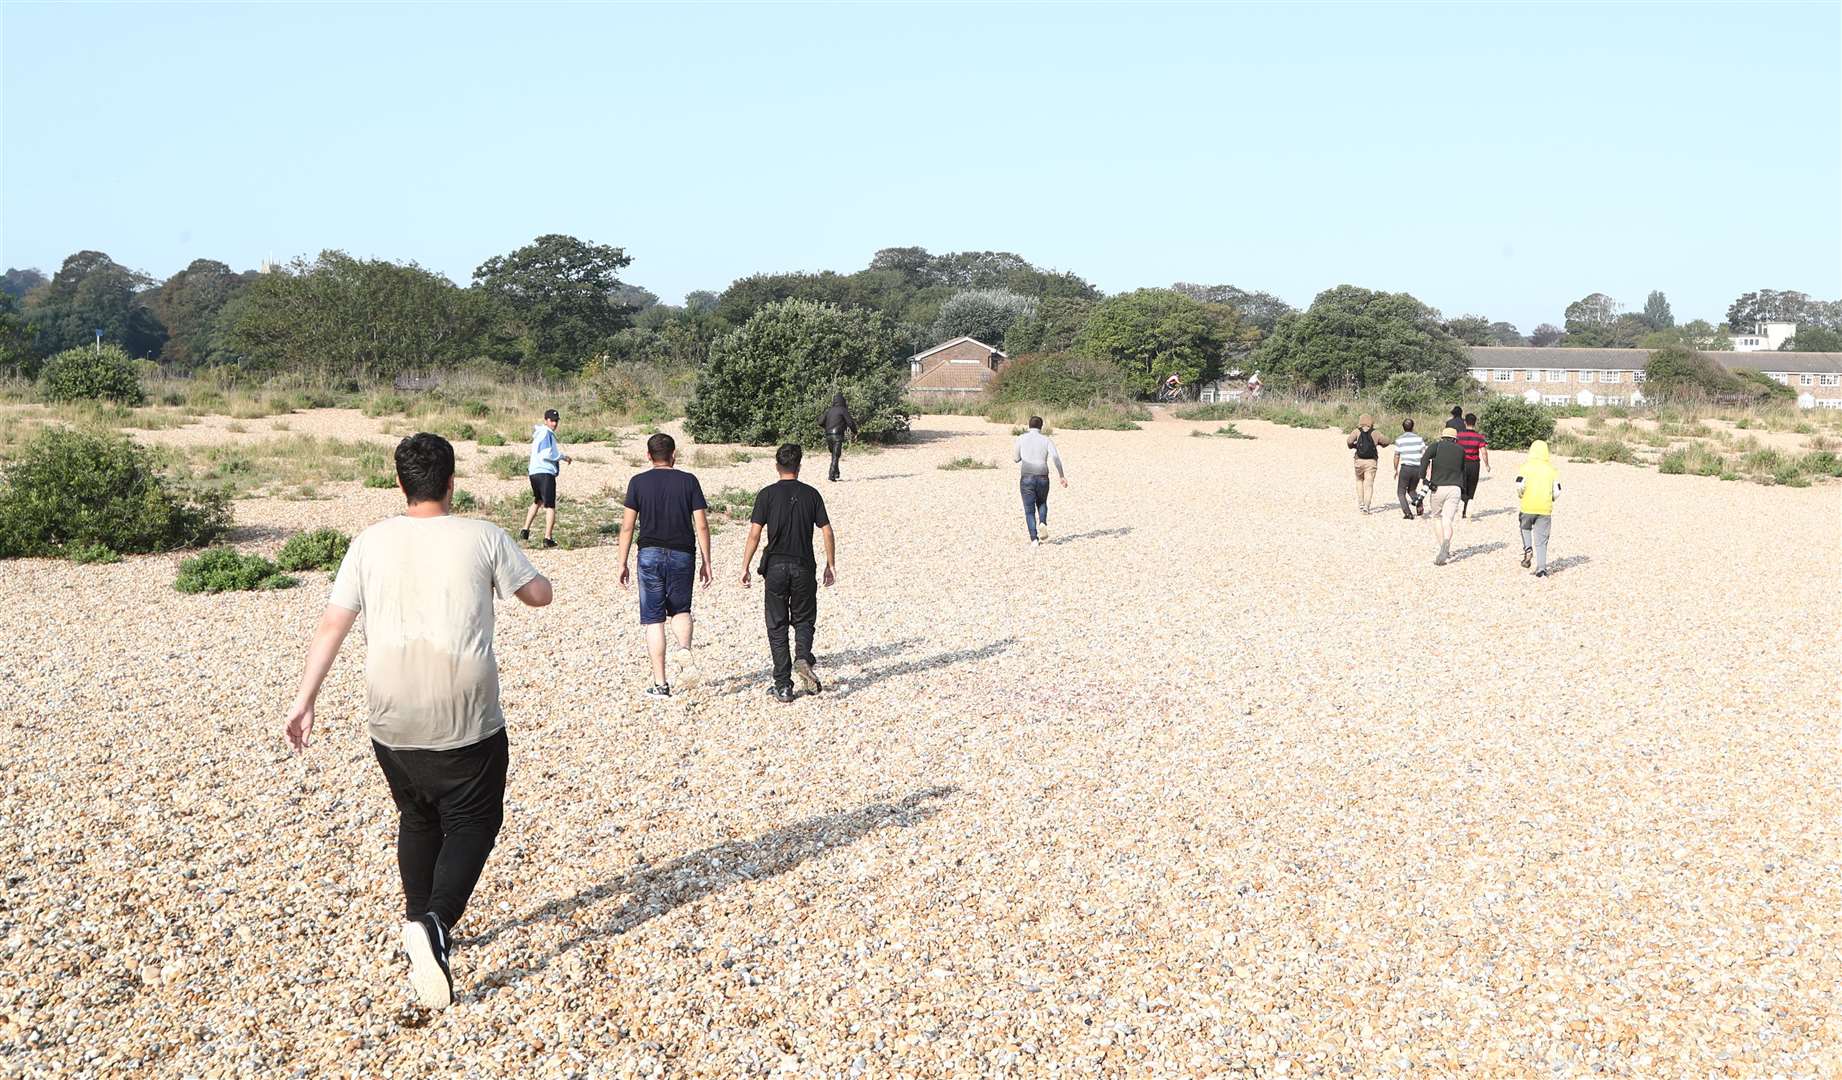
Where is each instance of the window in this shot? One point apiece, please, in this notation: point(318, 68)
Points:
point(1831, 403)
point(1806, 380)
point(1637, 376)
point(1533, 375)
point(1782, 376)
point(1611, 376)
point(1480, 374)
point(1504, 374)
point(1832, 380)
point(1557, 376)
point(1612, 400)
point(1556, 399)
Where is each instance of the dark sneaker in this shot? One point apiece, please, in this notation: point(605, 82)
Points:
point(549, 543)
point(808, 679)
point(1528, 556)
point(524, 534)
point(426, 941)
point(658, 690)
point(783, 694)
point(1541, 573)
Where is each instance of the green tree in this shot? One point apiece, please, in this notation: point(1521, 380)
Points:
point(1656, 311)
point(17, 356)
point(341, 317)
point(1351, 338)
point(563, 293)
point(1590, 313)
point(1814, 339)
point(1260, 310)
point(1154, 333)
point(17, 282)
point(1545, 336)
point(1677, 370)
point(1470, 329)
point(88, 373)
point(1502, 333)
point(1053, 328)
point(1767, 305)
point(92, 292)
point(769, 380)
point(984, 314)
point(189, 303)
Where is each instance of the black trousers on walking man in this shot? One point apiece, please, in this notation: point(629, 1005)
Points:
point(792, 600)
point(1405, 486)
point(834, 440)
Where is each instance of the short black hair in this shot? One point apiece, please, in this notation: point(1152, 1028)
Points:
point(1407, 424)
point(1036, 422)
point(550, 414)
point(1470, 418)
point(661, 446)
point(1457, 411)
point(787, 458)
point(425, 467)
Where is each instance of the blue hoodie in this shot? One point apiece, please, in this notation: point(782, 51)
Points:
point(545, 452)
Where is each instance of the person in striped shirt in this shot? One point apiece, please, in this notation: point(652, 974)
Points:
point(1476, 447)
point(1408, 449)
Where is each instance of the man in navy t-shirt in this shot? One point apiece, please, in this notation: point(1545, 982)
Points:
point(674, 527)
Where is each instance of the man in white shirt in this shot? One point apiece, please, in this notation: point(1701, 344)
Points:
point(425, 582)
point(1034, 451)
point(1409, 448)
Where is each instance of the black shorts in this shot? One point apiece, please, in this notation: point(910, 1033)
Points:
point(543, 490)
point(1468, 486)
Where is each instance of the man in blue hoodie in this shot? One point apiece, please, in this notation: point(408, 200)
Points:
point(545, 453)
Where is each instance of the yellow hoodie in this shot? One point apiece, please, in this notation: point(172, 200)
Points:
point(1539, 482)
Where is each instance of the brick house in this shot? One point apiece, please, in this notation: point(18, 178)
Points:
point(964, 365)
point(1616, 376)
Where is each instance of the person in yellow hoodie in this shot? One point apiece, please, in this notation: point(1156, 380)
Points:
point(1538, 484)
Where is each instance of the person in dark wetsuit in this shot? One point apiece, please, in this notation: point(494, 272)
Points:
point(836, 422)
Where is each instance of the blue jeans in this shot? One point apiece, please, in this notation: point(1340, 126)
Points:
point(1035, 490)
point(665, 583)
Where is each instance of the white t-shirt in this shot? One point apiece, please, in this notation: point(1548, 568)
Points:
point(425, 587)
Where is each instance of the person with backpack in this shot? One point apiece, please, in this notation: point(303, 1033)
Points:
point(1476, 447)
point(1366, 442)
point(1537, 485)
point(836, 422)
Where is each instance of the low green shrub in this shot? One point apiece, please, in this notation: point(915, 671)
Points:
point(91, 553)
point(381, 480)
point(1219, 411)
point(477, 410)
point(506, 466)
point(386, 405)
point(321, 549)
point(961, 463)
point(70, 488)
point(1408, 391)
point(1821, 463)
point(492, 438)
point(1511, 423)
point(225, 570)
point(1059, 380)
point(733, 502)
point(90, 374)
point(464, 501)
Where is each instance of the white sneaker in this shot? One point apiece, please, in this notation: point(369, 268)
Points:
point(1036, 543)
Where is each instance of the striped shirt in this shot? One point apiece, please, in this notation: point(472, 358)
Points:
point(1473, 441)
point(1410, 446)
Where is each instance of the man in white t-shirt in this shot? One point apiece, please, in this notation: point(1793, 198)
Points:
point(425, 582)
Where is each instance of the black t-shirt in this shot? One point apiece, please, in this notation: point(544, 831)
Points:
point(787, 512)
point(666, 499)
point(1445, 463)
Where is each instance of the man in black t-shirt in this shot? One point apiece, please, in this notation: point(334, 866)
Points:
point(787, 512)
point(674, 525)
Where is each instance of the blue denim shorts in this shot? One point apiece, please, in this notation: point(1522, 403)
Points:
point(665, 584)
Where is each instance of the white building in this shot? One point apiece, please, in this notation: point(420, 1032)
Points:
point(1765, 337)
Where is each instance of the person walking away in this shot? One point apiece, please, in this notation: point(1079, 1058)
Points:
point(1538, 485)
point(1457, 420)
point(545, 453)
point(1366, 442)
point(1408, 450)
point(1476, 447)
point(1034, 451)
point(787, 511)
point(425, 583)
point(673, 527)
point(836, 421)
point(1445, 473)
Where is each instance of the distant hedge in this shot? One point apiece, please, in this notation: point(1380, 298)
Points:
point(1511, 423)
point(72, 492)
point(1061, 379)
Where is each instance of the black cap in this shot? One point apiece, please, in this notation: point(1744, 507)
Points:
point(550, 414)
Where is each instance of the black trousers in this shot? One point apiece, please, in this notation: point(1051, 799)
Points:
point(834, 440)
point(792, 600)
point(1468, 487)
point(450, 804)
point(1404, 487)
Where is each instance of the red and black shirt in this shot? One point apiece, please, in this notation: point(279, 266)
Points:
point(1472, 441)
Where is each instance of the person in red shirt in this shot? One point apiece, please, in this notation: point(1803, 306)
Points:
point(1477, 452)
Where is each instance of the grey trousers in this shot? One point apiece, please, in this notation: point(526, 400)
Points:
point(1535, 529)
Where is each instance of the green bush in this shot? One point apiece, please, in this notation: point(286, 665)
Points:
point(68, 489)
point(963, 463)
point(381, 480)
point(91, 553)
point(1511, 423)
point(87, 374)
point(464, 501)
point(224, 570)
point(1059, 380)
point(492, 438)
point(1408, 391)
point(505, 466)
point(620, 386)
point(321, 549)
point(770, 380)
point(476, 410)
point(1822, 463)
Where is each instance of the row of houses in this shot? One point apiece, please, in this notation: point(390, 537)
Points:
point(1546, 376)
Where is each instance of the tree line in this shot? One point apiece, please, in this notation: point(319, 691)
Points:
point(559, 304)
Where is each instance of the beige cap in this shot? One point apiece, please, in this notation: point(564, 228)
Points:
point(1449, 433)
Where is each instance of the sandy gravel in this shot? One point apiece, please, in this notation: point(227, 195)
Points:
point(1225, 780)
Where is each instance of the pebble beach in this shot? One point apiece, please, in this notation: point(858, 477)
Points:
point(1225, 779)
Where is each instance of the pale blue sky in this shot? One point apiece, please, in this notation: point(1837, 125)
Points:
point(1495, 159)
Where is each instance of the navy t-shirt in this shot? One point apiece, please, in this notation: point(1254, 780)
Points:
point(665, 500)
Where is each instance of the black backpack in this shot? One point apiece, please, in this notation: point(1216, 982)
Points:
point(1365, 445)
